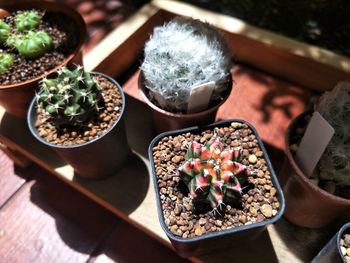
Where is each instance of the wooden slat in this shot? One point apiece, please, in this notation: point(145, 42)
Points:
point(9, 181)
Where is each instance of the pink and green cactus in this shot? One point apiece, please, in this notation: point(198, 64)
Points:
point(211, 173)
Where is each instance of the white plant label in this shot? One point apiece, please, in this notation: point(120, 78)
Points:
point(316, 138)
point(200, 97)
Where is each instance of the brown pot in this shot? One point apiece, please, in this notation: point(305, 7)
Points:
point(16, 98)
point(307, 205)
point(165, 121)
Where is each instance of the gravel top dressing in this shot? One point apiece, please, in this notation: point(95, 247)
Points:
point(65, 39)
point(345, 247)
point(94, 128)
point(185, 219)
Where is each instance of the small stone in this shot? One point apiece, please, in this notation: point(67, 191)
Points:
point(348, 252)
point(242, 219)
point(273, 191)
point(173, 229)
point(202, 221)
point(199, 231)
point(177, 210)
point(252, 159)
point(236, 125)
point(347, 259)
point(260, 173)
point(267, 187)
point(253, 211)
point(259, 154)
point(218, 223)
point(343, 250)
point(176, 159)
point(347, 240)
point(266, 210)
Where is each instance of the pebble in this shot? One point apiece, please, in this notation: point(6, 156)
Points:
point(199, 231)
point(202, 221)
point(266, 210)
point(252, 159)
point(176, 159)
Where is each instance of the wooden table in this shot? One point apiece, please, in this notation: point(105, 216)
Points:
point(266, 101)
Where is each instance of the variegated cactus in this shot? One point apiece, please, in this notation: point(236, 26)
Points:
point(211, 173)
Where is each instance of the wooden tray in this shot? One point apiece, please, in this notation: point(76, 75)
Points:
point(265, 101)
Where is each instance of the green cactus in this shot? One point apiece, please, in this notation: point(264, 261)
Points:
point(71, 98)
point(27, 20)
point(212, 173)
point(4, 32)
point(6, 61)
point(32, 44)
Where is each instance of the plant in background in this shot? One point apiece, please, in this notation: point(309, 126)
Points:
point(27, 20)
point(6, 61)
point(334, 106)
point(4, 32)
point(180, 55)
point(71, 98)
point(32, 44)
point(211, 173)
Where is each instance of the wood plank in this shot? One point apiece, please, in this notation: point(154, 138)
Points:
point(47, 221)
point(10, 182)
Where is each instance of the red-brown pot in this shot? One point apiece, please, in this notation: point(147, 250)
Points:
point(307, 205)
point(16, 98)
point(165, 121)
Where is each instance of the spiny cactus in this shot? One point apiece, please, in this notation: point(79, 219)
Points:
point(211, 173)
point(180, 55)
point(4, 32)
point(334, 106)
point(6, 61)
point(71, 98)
point(33, 44)
point(27, 20)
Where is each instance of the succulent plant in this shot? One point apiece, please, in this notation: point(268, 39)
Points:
point(71, 98)
point(213, 174)
point(6, 61)
point(27, 20)
point(4, 32)
point(180, 55)
point(334, 106)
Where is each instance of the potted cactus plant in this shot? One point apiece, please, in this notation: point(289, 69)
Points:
point(215, 186)
point(80, 115)
point(337, 250)
point(36, 38)
point(325, 196)
point(185, 75)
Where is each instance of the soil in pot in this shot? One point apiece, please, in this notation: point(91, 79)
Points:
point(183, 219)
point(93, 128)
point(65, 38)
point(345, 247)
point(296, 136)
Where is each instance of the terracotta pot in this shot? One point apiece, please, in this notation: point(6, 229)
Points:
point(94, 159)
point(16, 98)
point(307, 205)
point(164, 120)
point(331, 251)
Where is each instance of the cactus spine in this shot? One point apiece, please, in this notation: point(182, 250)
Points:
point(71, 98)
point(211, 173)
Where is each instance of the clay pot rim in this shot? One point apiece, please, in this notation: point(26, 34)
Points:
point(299, 173)
point(226, 232)
point(39, 138)
point(81, 26)
point(339, 236)
point(142, 88)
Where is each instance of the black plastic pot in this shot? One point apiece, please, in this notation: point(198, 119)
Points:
point(331, 251)
point(194, 246)
point(98, 158)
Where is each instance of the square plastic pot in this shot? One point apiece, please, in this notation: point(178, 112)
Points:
point(207, 243)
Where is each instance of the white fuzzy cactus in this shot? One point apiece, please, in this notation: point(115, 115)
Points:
point(180, 55)
point(334, 106)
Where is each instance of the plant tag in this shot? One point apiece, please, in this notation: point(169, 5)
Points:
point(200, 97)
point(316, 138)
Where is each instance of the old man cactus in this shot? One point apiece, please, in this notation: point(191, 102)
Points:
point(211, 173)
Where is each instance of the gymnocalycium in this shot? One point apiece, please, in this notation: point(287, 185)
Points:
point(180, 55)
point(70, 98)
point(334, 106)
point(32, 44)
point(6, 61)
point(4, 32)
point(27, 20)
point(213, 174)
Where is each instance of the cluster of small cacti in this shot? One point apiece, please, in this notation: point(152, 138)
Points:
point(6, 61)
point(25, 38)
point(70, 98)
point(180, 55)
point(212, 173)
point(334, 106)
